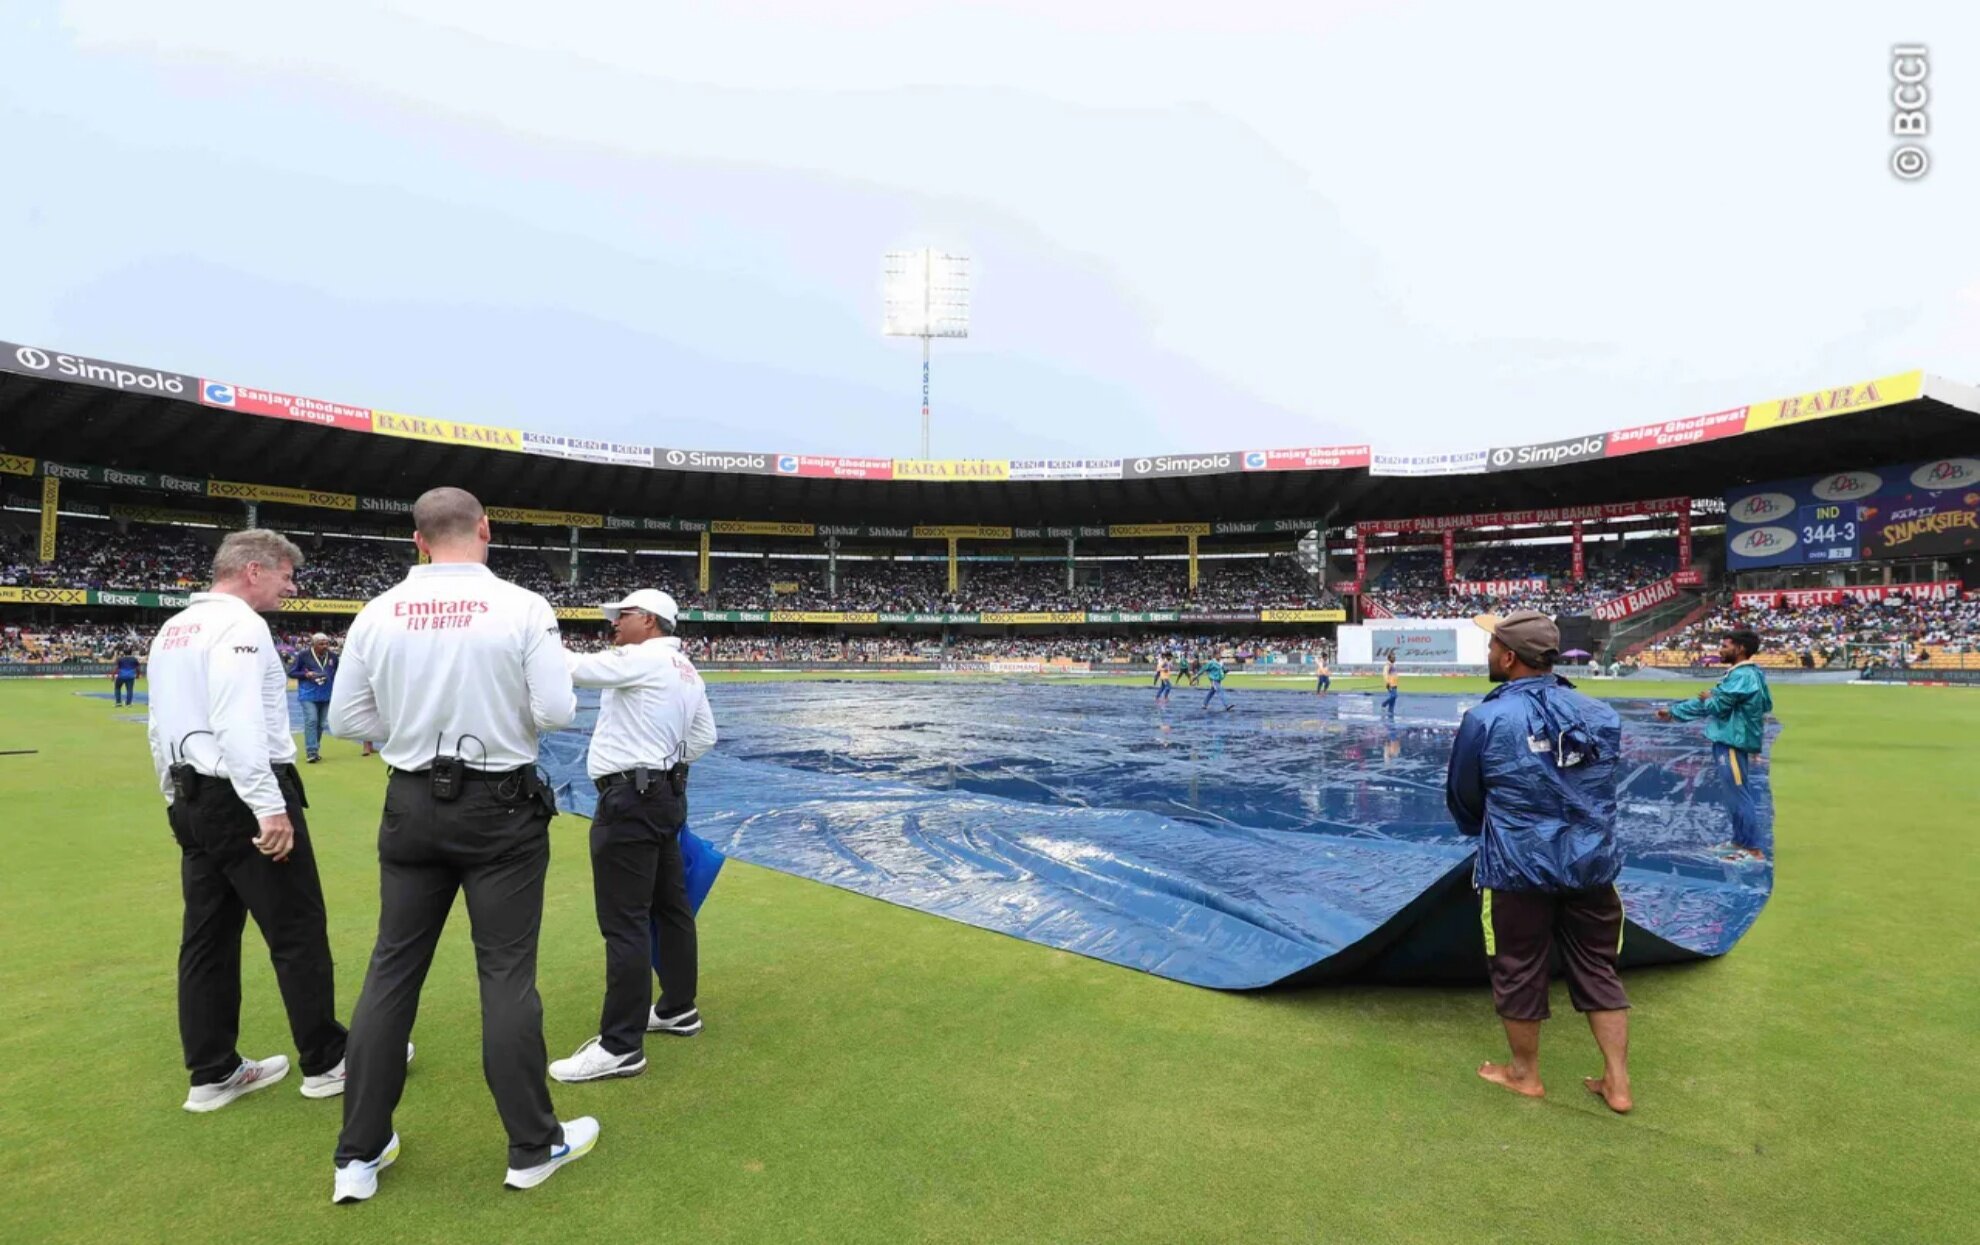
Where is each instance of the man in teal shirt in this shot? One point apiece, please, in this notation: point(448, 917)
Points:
point(1214, 670)
point(1735, 713)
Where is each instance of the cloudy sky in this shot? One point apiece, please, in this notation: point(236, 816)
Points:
point(1193, 226)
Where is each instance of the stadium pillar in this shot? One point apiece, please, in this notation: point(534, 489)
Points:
point(1580, 559)
point(253, 515)
point(1360, 558)
point(574, 556)
point(1192, 563)
point(1684, 534)
point(701, 582)
point(1069, 564)
point(952, 564)
point(51, 496)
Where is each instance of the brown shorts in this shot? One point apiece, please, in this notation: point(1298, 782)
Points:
point(1520, 931)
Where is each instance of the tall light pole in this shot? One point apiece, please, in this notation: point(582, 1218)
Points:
point(927, 296)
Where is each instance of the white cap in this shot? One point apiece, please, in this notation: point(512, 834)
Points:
point(651, 600)
point(319, 636)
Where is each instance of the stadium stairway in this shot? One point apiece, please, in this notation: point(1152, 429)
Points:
point(1640, 633)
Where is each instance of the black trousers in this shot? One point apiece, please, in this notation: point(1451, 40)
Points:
point(225, 880)
point(637, 876)
point(492, 843)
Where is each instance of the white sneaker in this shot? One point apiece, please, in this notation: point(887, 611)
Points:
point(681, 1024)
point(356, 1181)
point(579, 1136)
point(331, 1083)
point(253, 1074)
point(593, 1062)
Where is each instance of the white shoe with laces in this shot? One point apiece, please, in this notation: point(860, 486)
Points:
point(331, 1083)
point(593, 1062)
point(680, 1024)
point(253, 1074)
point(579, 1136)
point(356, 1181)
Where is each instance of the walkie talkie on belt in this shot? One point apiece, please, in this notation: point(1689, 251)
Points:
point(449, 775)
point(184, 778)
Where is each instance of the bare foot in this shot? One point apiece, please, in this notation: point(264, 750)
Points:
point(1618, 1099)
point(1502, 1074)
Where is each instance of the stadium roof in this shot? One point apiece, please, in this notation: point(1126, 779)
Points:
point(72, 408)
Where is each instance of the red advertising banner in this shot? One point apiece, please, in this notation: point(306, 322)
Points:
point(1498, 587)
point(835, 468)
point(1801, 598)
point(1450, 555)
point(1360, 555)
point(1326, 458)
point(1676, 432)
point(1374, 609)
point(1684, 536)
point(1580, 555)
point(285, 406)
point(1630, 604)
point(1503, 518)
point(1689, 579)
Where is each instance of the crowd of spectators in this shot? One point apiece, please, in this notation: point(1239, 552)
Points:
point(1412, 584)
point(1896, 631)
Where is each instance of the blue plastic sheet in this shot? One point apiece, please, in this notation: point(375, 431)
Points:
point(1297, 839)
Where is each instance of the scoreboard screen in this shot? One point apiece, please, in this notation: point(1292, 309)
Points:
point(1828, 531)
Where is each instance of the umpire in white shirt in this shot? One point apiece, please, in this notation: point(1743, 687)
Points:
point(219, 733)
point(457, 672)
point(653, 720)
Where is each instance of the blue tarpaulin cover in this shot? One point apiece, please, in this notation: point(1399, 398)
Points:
point(1299, 838)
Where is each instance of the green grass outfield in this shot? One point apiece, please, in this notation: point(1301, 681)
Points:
point(870, 1073)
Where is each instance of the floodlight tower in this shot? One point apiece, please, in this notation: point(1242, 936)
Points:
point(927, 296)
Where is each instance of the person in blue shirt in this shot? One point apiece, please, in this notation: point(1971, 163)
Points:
point(123, 684)
point(1735, 713)
point(315, 673)
point(1533, 778)
point(1214, 671)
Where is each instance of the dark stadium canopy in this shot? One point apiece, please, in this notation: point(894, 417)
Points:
point(80, 423)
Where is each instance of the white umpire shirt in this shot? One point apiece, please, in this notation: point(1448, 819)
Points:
point(220, 700)
point(457, 661)
point(653, 711)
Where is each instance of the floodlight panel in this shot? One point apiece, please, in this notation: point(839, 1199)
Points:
point(927, 294)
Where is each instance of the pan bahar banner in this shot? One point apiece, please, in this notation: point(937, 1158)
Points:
point(1630, 604)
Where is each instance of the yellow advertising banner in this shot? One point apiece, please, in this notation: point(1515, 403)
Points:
point(579, 613)
point(316, 605)
point(16, 465)
point(952, 469)
point(820, 616)
point(163, 514)
point(784, 587)
point(51, 507)
point(701, 566)
point(1332, 616)
point(237, 491)
point(446, 431)
point(1158, 529)
point(1822, 403)
point(1068, 616)
point(952, 531)
point(44, 596)
point(545, 518)
point(745, 527)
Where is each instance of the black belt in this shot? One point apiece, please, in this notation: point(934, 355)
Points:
point(626, 778)
point(486, 775)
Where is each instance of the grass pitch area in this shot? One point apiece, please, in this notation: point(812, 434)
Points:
point(873, 1074)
